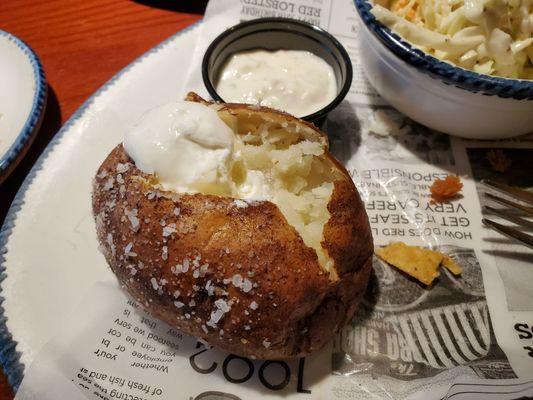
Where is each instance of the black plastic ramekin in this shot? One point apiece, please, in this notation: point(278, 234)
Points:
point(275, 34)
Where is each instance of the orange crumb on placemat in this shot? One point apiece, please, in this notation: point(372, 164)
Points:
point(498, 160)
point(445, 189)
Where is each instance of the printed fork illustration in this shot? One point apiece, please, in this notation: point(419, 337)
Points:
point(446, 336)
point(511, 212)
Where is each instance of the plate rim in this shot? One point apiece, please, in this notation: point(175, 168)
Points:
point(9, 356)
point(29, 130)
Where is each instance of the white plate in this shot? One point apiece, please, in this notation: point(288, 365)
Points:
point(48, 249)
point(22, 100)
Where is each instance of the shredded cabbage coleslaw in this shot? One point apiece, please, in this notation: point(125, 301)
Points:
point(492, 37)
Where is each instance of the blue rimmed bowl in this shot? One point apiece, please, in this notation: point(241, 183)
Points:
point(22, 100)
point(437, 94)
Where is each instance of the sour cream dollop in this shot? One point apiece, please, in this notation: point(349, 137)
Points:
point(186, 145)
point(294, 81)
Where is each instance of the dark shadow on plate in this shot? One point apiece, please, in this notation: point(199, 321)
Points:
point(49, 127)
point(184, 6)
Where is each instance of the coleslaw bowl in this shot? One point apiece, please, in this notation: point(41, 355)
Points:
point(438, 94)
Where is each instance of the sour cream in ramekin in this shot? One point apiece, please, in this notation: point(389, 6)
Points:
point(295, 81)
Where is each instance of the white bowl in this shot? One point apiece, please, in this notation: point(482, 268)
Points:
point(435, 93)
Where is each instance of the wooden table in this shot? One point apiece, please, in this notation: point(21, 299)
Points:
point(82, 44)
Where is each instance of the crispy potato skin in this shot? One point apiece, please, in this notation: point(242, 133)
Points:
point(289, 308)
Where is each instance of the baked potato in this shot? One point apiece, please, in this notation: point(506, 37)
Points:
point(268, 279)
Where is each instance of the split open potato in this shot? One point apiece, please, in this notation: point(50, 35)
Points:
point(272, 278)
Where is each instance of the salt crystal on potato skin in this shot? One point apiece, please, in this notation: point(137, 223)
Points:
point(275, 265)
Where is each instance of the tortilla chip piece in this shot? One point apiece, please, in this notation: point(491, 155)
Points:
point(451, 265)
point(421, 264)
